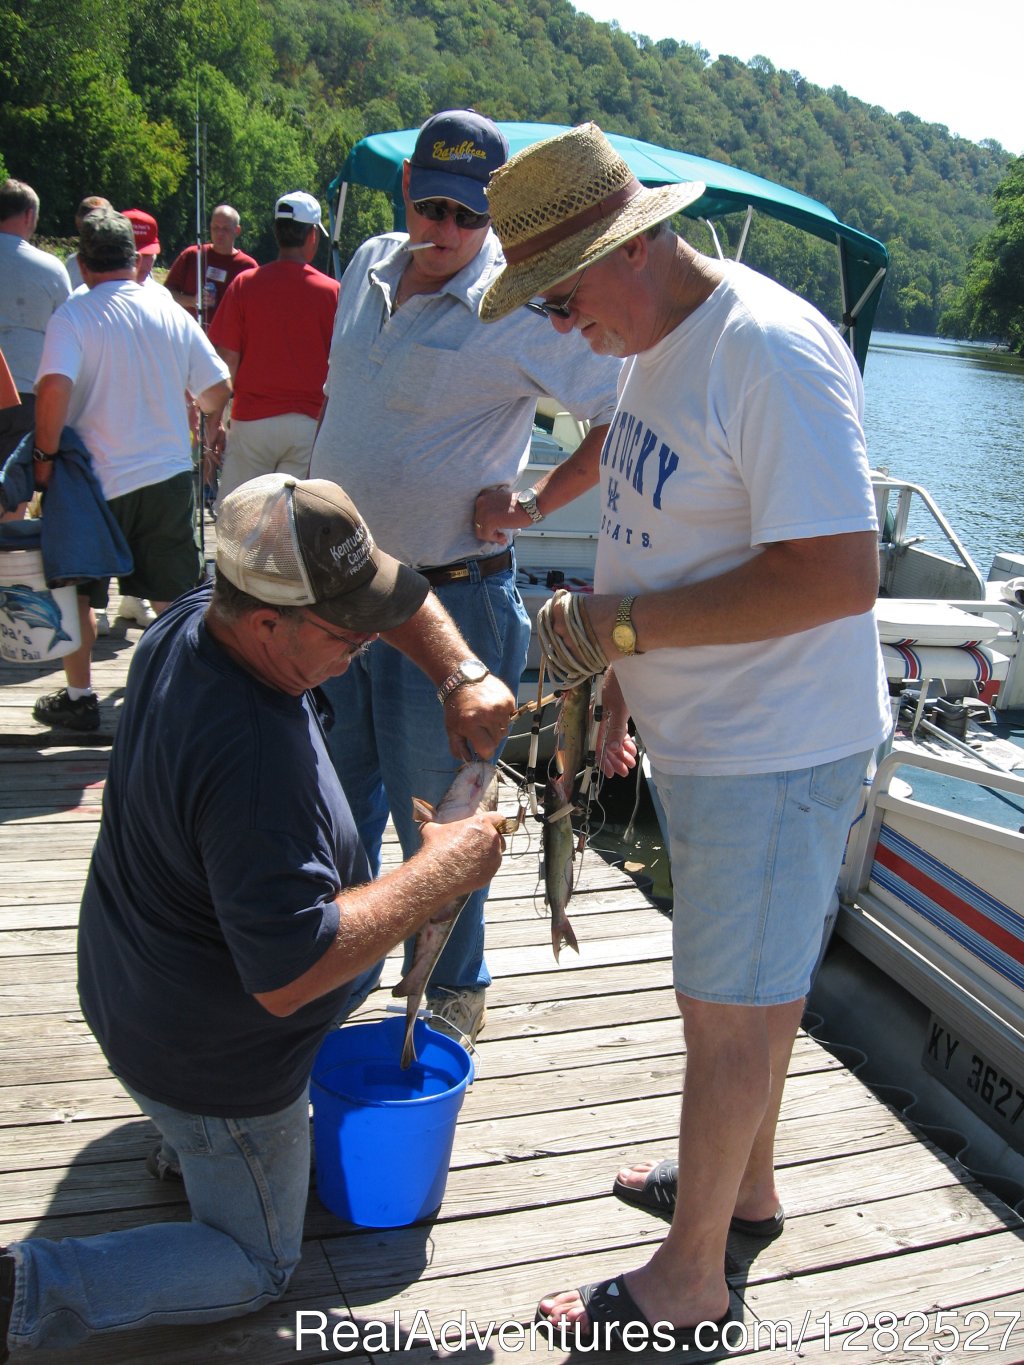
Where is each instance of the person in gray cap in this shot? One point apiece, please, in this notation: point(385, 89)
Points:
point(116, 364)
point(273, 330)
point(737, 559)
point(33, 285)
point(428, 420)
point(229, 910)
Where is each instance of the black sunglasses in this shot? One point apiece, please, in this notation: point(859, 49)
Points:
point(436, 211)
point(560, 309)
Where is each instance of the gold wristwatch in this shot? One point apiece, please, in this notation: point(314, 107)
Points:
point(623, 631)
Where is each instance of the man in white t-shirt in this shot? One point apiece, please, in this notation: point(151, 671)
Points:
point(737, 566)
point(116, 363)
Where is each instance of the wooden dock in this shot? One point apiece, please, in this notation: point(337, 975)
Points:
point(578, 1071)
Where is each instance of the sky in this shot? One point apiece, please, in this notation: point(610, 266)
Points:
point(927, 58)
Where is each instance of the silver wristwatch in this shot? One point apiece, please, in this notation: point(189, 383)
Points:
point(469, 671)
point(527, 500)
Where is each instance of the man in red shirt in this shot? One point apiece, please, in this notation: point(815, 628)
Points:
point(222, 261)
point(273, 330)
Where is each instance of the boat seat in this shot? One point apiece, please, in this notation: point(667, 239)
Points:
point(911, 621)
point(933, 640)
point(975, 670)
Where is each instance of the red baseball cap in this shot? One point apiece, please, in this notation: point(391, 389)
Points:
point(147, 239)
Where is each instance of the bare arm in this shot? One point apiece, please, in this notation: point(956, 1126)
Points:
point(496, 510)
point(53, 398)
point(477, 715)
point(214, 400)
point(792, 585)
point(455, 859)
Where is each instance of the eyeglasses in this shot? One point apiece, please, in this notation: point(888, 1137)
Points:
point(437, 210)
point(557, 310)
point(353, 646)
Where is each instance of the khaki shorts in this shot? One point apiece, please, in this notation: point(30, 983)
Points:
point(159, 524)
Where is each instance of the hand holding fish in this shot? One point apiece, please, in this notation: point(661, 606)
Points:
point(469, 850)
point(477, 717)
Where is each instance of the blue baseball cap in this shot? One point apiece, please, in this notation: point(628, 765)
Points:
point(455, 153)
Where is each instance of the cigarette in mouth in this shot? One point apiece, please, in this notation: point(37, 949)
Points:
point(420, 246)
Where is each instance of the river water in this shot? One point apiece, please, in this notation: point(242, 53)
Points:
point(950, 416)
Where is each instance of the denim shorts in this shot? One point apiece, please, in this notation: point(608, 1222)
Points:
point(755, 860)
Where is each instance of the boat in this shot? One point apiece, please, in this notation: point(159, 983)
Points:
point(924, 970)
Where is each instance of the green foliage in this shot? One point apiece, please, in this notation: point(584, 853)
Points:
point(101, 96)
point(990, 304)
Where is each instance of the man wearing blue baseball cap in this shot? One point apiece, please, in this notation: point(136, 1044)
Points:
point(427, 421)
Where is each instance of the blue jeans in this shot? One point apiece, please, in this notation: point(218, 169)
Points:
point(389, 743)
point(755, 861)
point(247, 1182)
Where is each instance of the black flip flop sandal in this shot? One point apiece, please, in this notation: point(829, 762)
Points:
point(617, 1321)
point(658, 1195)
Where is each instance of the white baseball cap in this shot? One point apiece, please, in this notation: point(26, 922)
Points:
point(300, 207)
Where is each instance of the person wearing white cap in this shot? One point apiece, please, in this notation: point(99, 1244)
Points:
point(229, 909)
point(428, 420)
point(737, 561)
point(273, 330)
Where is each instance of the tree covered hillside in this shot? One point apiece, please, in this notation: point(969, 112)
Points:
point(101, 95)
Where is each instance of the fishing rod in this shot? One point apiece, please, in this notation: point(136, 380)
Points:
point(200, 462)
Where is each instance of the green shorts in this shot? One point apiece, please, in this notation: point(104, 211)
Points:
point(159, 524)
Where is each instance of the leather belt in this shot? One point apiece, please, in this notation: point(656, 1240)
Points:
point(456, 573)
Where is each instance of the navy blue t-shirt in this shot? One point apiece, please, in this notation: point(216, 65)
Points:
point(225, 838)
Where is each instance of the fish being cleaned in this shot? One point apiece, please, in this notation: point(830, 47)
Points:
point(475, 788)
point(560, 790)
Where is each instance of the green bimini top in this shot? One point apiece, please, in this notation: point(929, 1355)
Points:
point(376, 162)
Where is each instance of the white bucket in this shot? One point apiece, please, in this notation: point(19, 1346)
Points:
point(37, 623)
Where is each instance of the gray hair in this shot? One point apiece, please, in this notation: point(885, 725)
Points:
point(17, 198)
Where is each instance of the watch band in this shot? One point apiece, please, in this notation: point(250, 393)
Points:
point(41, 457)
point(527, 500)
point(469, 671)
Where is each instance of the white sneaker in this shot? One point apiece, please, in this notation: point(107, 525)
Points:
point(102, 623)
point(460, 1014)
point(137, 609)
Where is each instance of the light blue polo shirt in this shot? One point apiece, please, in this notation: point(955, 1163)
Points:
point(428, 405)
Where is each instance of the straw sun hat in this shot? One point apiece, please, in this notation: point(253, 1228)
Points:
point(561, 205)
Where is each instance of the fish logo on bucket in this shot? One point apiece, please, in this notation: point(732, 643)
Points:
point(23, 611)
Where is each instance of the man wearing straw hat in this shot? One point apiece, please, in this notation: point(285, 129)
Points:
point(736, 570)
point(428, 420)
point(229, 910)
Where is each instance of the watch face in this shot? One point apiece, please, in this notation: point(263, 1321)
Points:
point(473, 670)
point(624, 638)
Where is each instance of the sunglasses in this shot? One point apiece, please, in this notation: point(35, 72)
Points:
point(560, 309)
point(437, 210)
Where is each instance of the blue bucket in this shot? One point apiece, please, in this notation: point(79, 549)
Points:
point(384, 1136)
